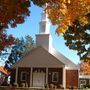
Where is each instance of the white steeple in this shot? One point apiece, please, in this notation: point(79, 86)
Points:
point(44, 25)
point(44, 38)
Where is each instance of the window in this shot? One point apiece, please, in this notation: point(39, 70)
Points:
point(43, 28)
point(83, 82)
point(55, 77)
point(23, 76)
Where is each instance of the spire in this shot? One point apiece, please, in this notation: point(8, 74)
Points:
point(44, 16)
point(44, 38)
point(44, 27)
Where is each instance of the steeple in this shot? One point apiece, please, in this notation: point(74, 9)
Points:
point(44, 38)
point(44, 25)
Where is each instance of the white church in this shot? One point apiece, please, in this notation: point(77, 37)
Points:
point(44, 65)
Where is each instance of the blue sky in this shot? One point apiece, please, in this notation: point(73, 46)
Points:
point(31, 27)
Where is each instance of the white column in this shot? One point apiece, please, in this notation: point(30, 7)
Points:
point(64, 77)
point(31, 77)
point(16, 75)
point(46, 75)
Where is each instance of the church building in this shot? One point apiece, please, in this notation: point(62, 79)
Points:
point(44, 65)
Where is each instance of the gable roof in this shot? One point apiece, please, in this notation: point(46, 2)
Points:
point(4, 70)
point(41, 57)
point(62, 58)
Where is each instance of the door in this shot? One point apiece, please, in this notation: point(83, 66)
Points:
point(38, 79)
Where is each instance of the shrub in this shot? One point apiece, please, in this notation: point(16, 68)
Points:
point(86, 86)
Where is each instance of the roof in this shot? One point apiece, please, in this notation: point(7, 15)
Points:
point(63, 59)
point(40, 53)
point(38, 57)
point(84, 76)
point(4, 70)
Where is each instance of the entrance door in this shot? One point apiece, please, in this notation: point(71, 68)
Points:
point(38, 79)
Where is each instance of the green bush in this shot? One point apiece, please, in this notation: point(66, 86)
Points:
point(86, 86)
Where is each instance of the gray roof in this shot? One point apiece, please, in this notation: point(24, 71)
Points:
point(63, 59)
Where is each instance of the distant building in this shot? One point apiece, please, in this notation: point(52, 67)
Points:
point(44, 65)
point(3, 74)
point(84, 77)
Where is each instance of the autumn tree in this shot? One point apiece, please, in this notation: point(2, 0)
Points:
point(64, 12)
point(85, 68)
point(60, 12)
point(5, 40)
point(12, 12)
point(77, 38)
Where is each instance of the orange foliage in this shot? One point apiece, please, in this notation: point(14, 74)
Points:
point(64, 12)
point(12, 12)
point(3, 70)
point(85, 67)
point(5, 40)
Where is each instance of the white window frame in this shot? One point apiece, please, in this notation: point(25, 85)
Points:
point(23, 72)
point(53, 76)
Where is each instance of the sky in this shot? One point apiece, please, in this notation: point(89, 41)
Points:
point(31, 27)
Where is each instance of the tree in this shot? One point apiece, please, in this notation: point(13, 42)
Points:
point(19, 50)
point(77, 38)
point(12, 12)
point(85, 68)
point(64, 12)
point(5, 40)
point(29, 44)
